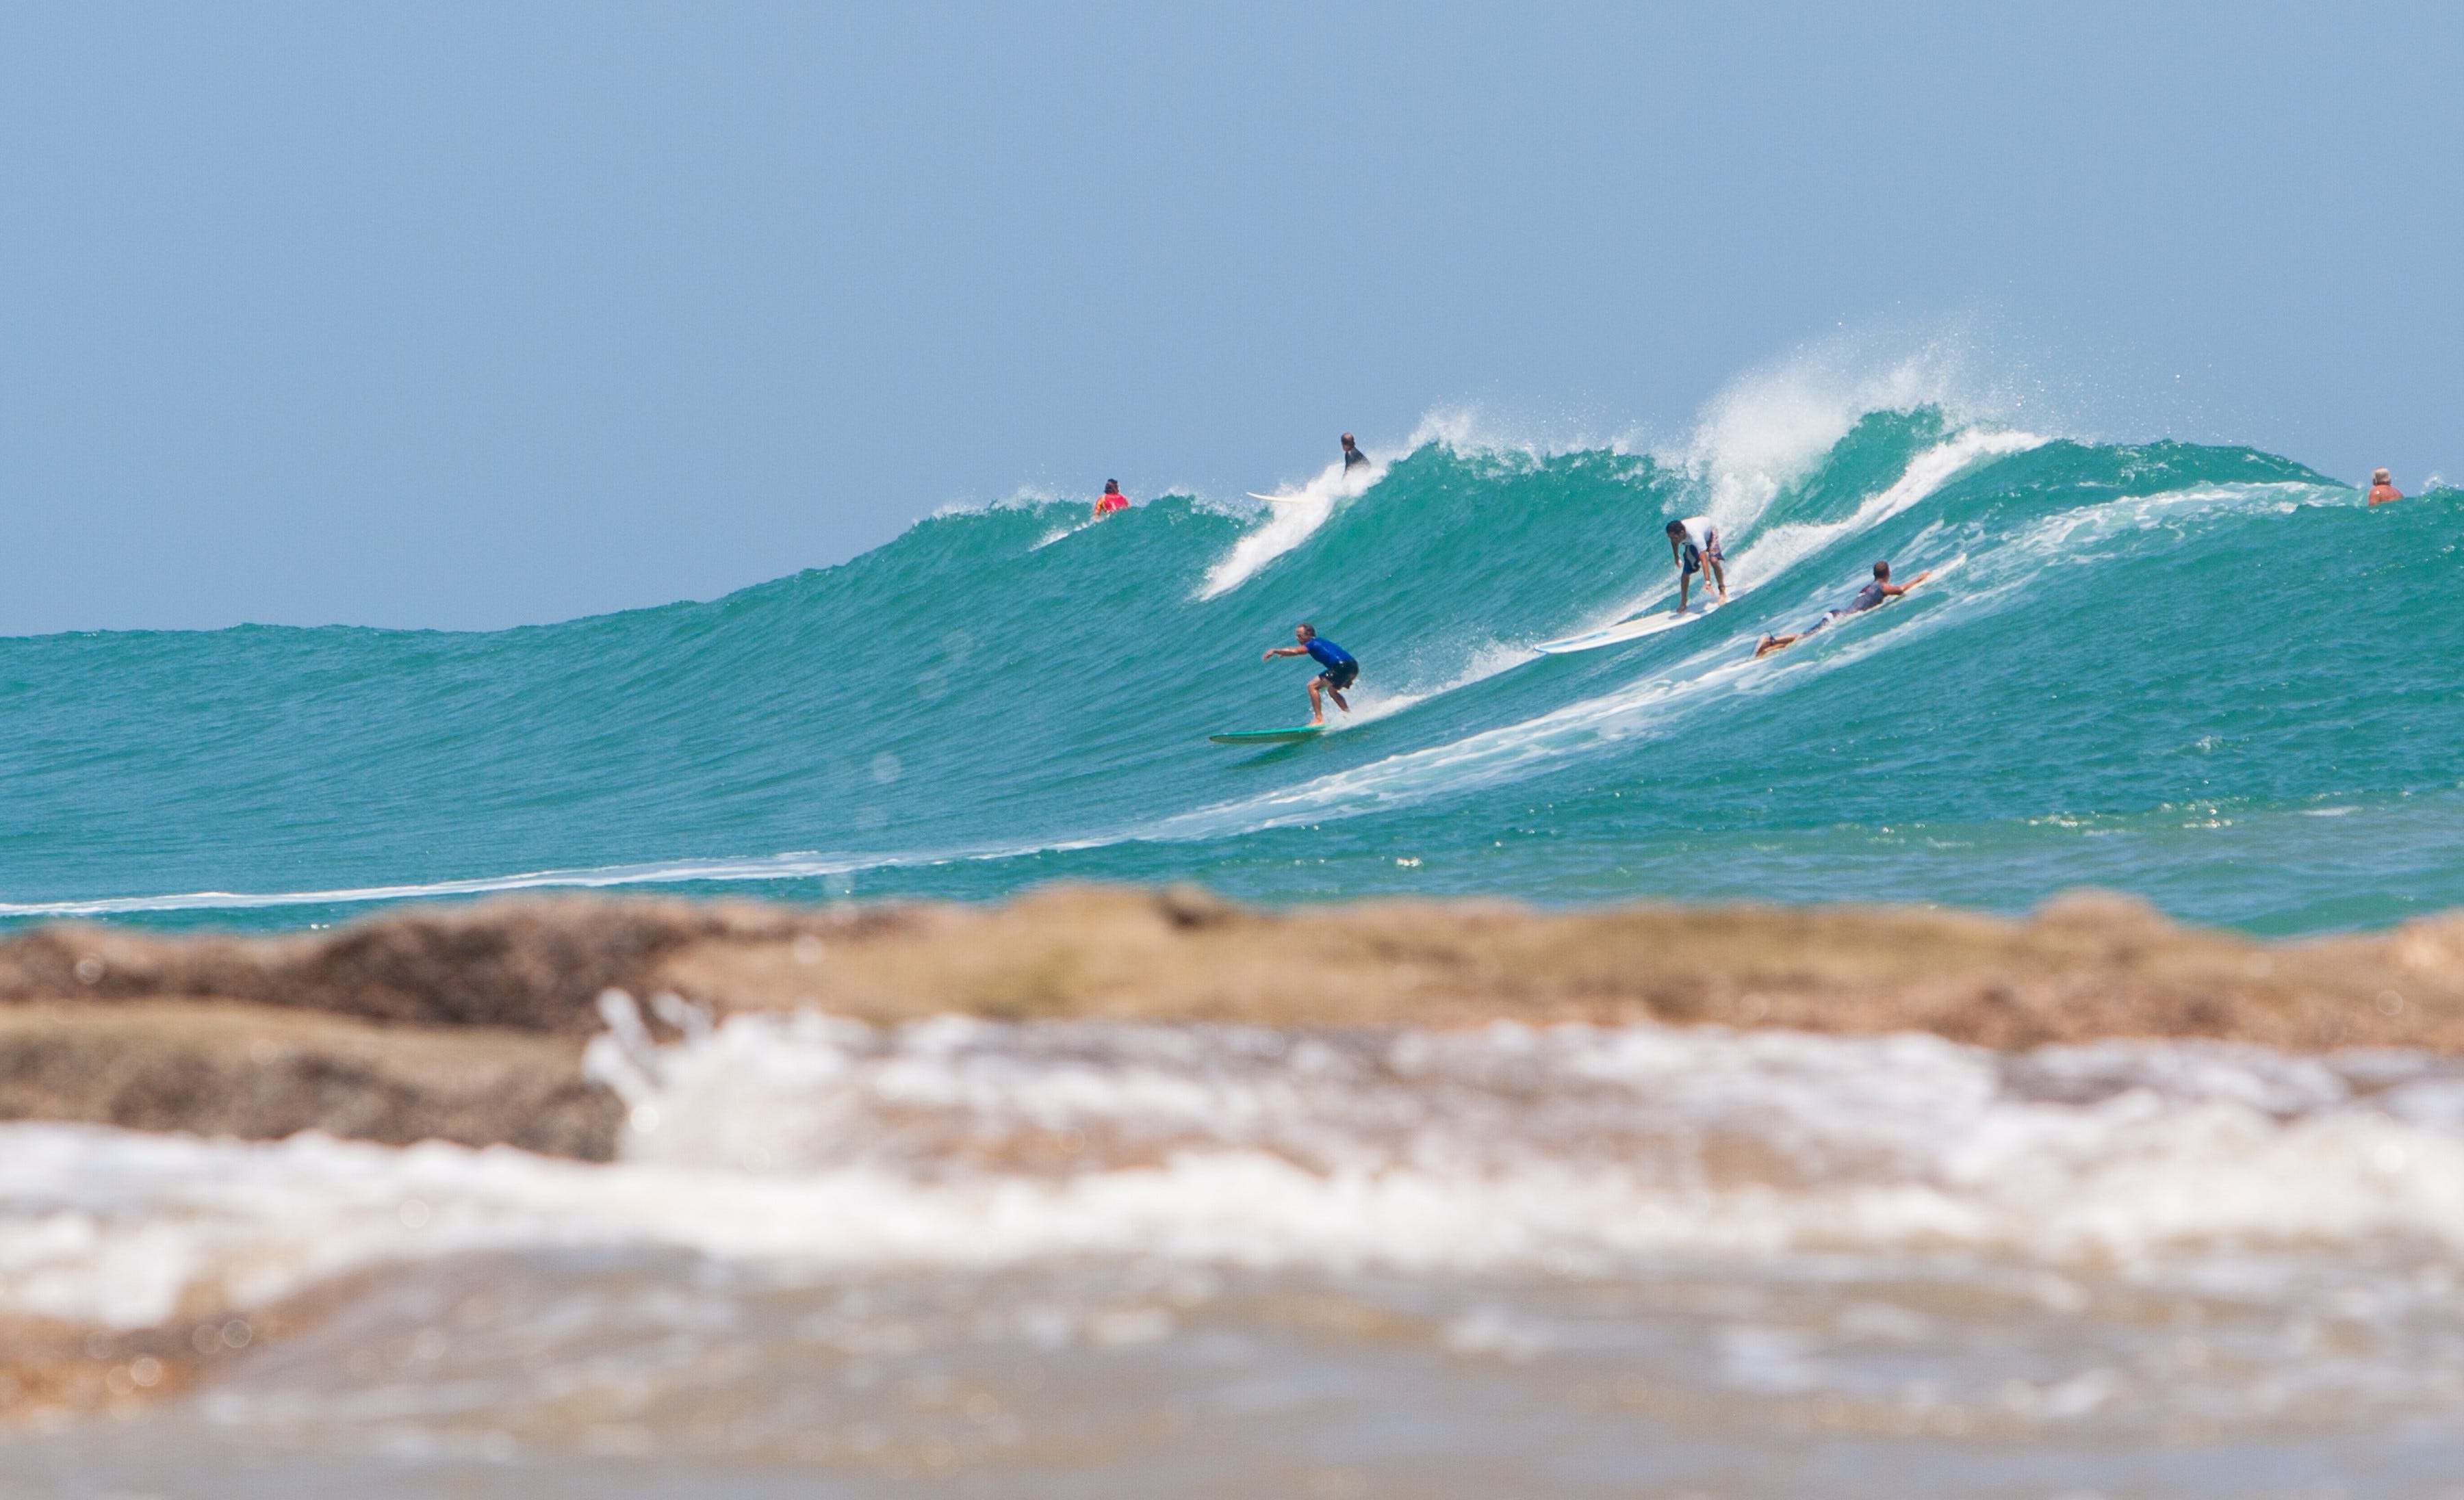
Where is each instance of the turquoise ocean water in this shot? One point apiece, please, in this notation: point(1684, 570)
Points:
point(2204, 674)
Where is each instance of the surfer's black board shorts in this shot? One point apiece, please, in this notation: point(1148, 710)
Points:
point(1338, 678)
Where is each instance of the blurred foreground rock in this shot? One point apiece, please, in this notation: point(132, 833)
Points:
point(465, 1023)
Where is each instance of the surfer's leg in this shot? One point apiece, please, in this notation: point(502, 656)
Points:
point(1318, 709)
point(1771, 643)
point(1718, 576)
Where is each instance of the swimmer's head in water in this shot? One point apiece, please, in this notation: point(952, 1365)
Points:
point(2378, 477)
point(1882, 571)
point(1112, 487)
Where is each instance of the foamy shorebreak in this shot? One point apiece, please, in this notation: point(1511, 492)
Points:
point(920, 1191)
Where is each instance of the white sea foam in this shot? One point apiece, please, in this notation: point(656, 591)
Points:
point(1291, 517)
point(1772, 553)
point(1771, 426)
point(808, 1141)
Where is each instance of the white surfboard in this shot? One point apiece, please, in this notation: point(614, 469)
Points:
point(1633, 628)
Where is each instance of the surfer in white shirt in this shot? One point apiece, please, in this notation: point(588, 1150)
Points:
point(1869, 597)
point(1694, 547)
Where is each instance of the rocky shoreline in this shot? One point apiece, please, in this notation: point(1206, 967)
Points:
point(465, 1024)
point(468, 1023)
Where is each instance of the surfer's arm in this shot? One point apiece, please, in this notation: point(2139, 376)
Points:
point(1283, 651)
point(1895, 591)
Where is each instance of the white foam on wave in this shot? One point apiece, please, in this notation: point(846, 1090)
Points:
point(1294, 516)
point(1772, 553)
point(1484, 661)
point(800, 866)
point(824, 1144)
point(1291, 518)
point(1770, 427)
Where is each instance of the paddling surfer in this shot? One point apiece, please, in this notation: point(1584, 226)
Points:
point(1694, 547)
point(1112, 499)
point(1340, 667)
point(1869, 597)
point(2382, 489)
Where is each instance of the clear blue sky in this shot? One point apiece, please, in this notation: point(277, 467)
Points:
point(467, 315)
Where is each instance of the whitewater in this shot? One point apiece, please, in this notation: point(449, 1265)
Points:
point(2155, 667)
point(1121, 1258)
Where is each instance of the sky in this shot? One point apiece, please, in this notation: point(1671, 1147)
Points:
point(460, 317)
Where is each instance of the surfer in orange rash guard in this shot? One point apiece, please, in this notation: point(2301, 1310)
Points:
point(2381, 489)
point(1112, 499)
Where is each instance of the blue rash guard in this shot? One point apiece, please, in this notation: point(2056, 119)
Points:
point(1325, 654)
point(1341, 670)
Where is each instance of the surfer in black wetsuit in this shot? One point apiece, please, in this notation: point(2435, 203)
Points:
point(1341, 667)
point(1352, 453)
point(1869, 597)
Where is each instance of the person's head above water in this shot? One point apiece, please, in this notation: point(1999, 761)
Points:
point(1112, 487)
point(1882, 571)
point(1304, 632)
point(2379, 477)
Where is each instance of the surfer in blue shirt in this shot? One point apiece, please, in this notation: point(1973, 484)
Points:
point(1340, 667)
point(1870, 597)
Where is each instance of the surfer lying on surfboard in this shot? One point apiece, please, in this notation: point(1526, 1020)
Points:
point(1340, 667)
point(1694, 547)
point(1869, 597)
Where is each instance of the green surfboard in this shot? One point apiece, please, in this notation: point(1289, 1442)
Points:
point(1269, 736)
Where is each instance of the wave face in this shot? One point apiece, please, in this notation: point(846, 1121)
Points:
point(2204, 674)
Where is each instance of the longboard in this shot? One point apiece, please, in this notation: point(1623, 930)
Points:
point(1269, 736)
point(1630, 630)
point(1279, 499)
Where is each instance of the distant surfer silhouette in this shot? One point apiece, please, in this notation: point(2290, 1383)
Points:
point(1352, 453)
point(1112, 499)
point(1869, 597)
point(1694, 547)
point(1340, 667)
point(2382, 489)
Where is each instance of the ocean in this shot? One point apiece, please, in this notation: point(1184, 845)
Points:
point(974, 1257)
point(2206, 676)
